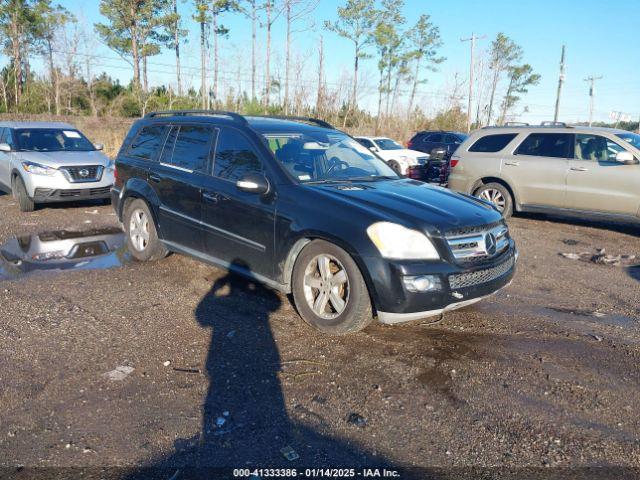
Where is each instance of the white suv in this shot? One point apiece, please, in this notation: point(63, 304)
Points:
point(396, 156)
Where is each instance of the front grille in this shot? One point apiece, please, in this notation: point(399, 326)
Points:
point(92, 173)
point(479, 243)
point(478, 277)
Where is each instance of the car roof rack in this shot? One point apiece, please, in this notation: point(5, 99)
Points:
point(315, 121)
point(217, 113)
point(516, 124)
point(549, 123)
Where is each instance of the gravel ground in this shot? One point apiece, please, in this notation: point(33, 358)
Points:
point(176, 363)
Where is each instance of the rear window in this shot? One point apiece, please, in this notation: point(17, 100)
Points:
point(492, 143)
point(557, 145)
point(148, 142)
point(188, 147)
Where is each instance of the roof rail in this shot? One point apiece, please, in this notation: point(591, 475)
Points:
point(177, 113)
point(316, 121)
point(516, 124)
point(548, 123)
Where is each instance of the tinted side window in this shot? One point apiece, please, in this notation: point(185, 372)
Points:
point(451, 139)
point(596, 147)
point(436, 137)
point(6, 136)
point(148, 142)
point(492, 143)
point(191, 148)
point(367, 143)
point(235, 156)
point(557, 145)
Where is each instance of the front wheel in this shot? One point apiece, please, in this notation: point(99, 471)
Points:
point(329, 290)
point(499, 195)
point(142, 234)
point(395, 166)
point(19, 191)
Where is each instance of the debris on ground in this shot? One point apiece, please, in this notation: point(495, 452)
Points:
point(356, 419)
point(289, 453)
point(119, 373)
point(601, 258)
point(167, 363)
point(187, 370)
point(570, 241)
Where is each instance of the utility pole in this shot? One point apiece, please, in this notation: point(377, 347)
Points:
point(592, 81)
point(560, 82)
point(471, 39)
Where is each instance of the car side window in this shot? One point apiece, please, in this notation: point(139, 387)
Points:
point(557, 145)
point(435, 137)
point(148, 142)
point(6, 136)
point(366, 142)
point(492, 143)
point(188, 147)
point(235, 156)
point(451, 139)
point(596, 148)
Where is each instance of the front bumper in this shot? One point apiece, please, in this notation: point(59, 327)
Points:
point(56, 188)
point(459, 285)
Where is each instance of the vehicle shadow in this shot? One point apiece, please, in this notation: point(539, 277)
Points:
point(74, 204)
point(245, 423)
point(616, 226)
point(634, 272)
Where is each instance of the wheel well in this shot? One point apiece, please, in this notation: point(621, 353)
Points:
point(294, 252)
point(486, 180)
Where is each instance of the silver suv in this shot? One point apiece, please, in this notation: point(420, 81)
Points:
point(42, 162)
point(552, 168)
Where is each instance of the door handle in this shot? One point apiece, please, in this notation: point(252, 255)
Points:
point(210, 197)
point(512, 164)
point(579, 169)
point(155, 178)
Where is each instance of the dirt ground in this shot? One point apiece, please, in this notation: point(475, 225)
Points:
point(175, 364)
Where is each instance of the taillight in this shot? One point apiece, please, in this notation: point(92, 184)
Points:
point(414, 172)
point(454, 161)
point(410, 144)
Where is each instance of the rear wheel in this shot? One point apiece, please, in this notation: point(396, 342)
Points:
point(20, 194)
point(329, 290)
point(499, 195)
point(142, 234)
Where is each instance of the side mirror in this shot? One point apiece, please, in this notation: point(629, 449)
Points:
point(373, 149)
point(99, 146)
point(624, 157)
point(5, 147)
point(253, 183)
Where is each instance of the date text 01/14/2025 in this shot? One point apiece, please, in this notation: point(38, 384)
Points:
point(316, 473)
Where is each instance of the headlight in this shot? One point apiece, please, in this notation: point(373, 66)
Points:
point(398, 242)
point(111, 165)
point(38, 169)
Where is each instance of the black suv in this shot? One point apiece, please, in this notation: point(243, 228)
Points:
point(307, 210)
point(430, 141)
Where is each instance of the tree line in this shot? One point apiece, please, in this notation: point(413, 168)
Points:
point(404, 54)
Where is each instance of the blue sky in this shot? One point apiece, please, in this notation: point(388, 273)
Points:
point(600, 38)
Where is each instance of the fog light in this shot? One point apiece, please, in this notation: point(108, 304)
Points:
point(421, 283)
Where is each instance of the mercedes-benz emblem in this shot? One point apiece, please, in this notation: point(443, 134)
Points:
point(490, 243)
point(84, 173)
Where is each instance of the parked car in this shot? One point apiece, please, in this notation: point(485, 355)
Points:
point(44, 162)
point(592, 172)
point(396, 156)
point(427, 141)
point(306, 209)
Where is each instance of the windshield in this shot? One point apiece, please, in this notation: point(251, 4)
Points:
point(318, 156)
point(52, 140)
point(388, 144)
point(632, 138)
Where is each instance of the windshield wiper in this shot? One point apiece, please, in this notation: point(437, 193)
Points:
point(373, 178)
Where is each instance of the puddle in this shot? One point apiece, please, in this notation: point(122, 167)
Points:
point(62, 250)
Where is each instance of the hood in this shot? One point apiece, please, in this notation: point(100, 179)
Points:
point(415, 204)
point(62, 159)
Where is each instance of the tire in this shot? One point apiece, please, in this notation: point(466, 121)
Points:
point(395, 166)
point(20, 194)
point(499, 195)
point(356, 312)
point(141, 232)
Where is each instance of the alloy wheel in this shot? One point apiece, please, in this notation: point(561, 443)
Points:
point(326, 286)
point(139, 230)
point(494, 196)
